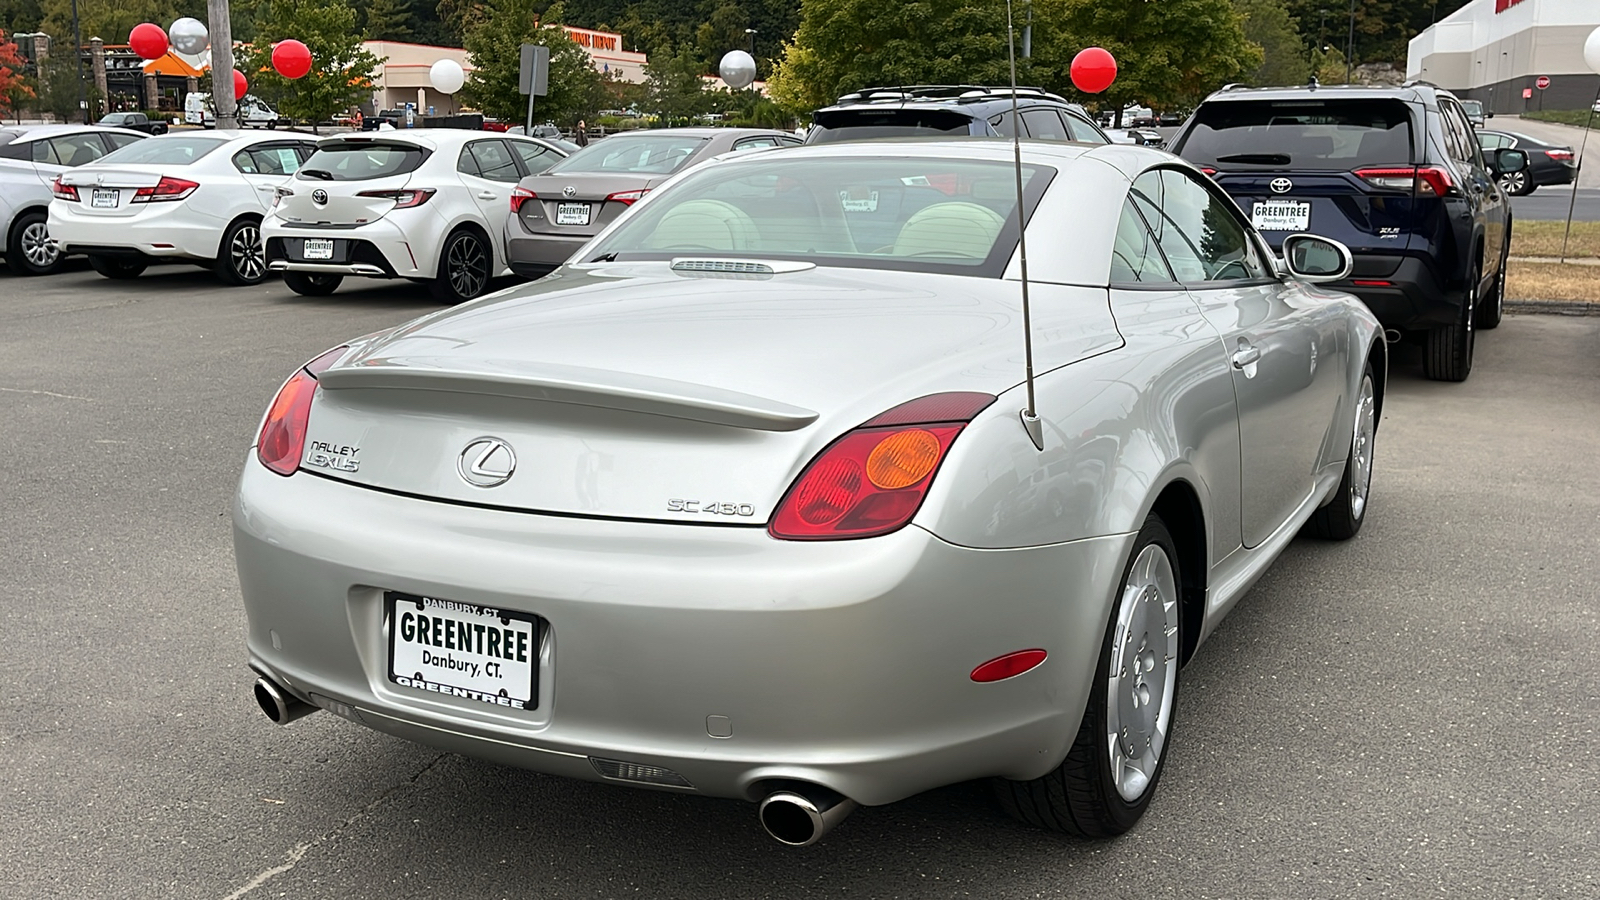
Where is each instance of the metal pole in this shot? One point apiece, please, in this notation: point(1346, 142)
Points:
point(528, 129)
point(77, 62)
point(1573, 203)
point(222, 98)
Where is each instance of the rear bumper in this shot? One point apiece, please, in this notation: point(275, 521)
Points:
point(161, 231)
point(352, 256)
point(532, 255)
point(1544, 176)
point(1408, 296)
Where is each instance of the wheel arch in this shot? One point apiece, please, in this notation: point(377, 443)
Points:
point(16, 216)
point(1178, 505)
point(468, 223)
point(250, 215)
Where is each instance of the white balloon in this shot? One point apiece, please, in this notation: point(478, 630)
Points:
point(189, 36)
point(1591, 50)
point(738, 69)
point(446, 76)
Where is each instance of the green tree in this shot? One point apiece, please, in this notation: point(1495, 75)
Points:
point(111, 20)
point(674, 90)
point(388, 20)
point(342, 72)
point(495, 45)
point(20, 15)
point(1267, 25)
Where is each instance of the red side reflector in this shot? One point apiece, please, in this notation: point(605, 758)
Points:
point(1360, 283)
point(1009, 666)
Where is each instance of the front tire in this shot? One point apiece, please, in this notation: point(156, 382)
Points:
point(29, 250)
point(312, 284)
point(119, 269)
point(464, 267)
point(1341, 519)
point(1109, 776)
point(1448, 354)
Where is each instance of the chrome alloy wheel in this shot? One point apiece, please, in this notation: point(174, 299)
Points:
point(37, 248)
point(467, 266)
point(1144, 672)
point(247, 254)
point(1516, 183)
point(1361, 449)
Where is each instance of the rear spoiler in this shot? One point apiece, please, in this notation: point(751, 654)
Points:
point(577, 385)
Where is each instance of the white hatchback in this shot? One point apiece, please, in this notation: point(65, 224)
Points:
point(189, 196)
point(425, 205)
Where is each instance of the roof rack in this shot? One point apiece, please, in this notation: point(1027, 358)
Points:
point(966, 93)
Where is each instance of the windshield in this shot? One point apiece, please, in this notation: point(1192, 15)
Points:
point(179, 150)
point(873, 124)
point(656, 154)
point(908, 213)
point(360, 161)
point(115, 118)
point(1473, 107)
point(1301, 134)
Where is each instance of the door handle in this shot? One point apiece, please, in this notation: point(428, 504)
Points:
point(488, 195)
point(1246, 356)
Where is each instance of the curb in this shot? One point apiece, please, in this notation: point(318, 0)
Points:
point(1551, 308)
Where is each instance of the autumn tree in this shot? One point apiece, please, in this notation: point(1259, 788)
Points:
point(495, 47)
point(342, 71)
point(14, 88)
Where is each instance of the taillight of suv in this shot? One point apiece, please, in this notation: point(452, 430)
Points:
point(1422, 181)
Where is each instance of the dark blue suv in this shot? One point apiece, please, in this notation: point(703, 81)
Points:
point(1396, 174)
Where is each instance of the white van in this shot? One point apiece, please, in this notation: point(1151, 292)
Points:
point(253, 112)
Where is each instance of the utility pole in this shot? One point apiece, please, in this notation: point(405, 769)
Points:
point(1322, 40)
point(222, 98)
point(77, 62)
point(1349, 44)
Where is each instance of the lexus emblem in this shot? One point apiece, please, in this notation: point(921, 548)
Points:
point(319, 197)
point(487, 462)
point(569, 191)
point(1281, 185)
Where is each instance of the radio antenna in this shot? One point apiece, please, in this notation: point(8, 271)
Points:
point(1030, 414)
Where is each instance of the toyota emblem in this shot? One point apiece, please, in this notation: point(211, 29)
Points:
point(1281, 185)
point(486, 462)
point(569, 191)
point(319, 197)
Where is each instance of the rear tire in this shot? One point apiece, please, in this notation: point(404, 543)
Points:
point(241, 255)
point(1448, 354)
point(312, 284)
point(1341, 519)
point(465, 266)
point(119, 269)
point(29, 250)
point(1102, 788)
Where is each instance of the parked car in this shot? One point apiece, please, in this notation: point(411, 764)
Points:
point(952, 110)
point(187, 196)
point(31, 156)
point(740, 503)
point(424, 204)
point(253, 112)
point(556, 212)
point(1169, 119)
point(395, 118)
point(137, 121)
point(1548, 163)
point(1394, 173)
point(1475, 112)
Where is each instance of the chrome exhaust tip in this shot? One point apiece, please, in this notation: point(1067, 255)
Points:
point(278, 704)
point(800, 817)
point(1393, 335)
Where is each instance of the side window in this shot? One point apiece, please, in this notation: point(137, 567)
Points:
point(1134, 256)
point(118, 141)
point(1081, 130)
point(304, 151)
point(78, 149)
point(1005, 124)
point(755, 143)
point(535, 158)
point(465, 164)
point(16, 151)
point(1198, 233)
point(494, 161)
point(246, 163)
point(1458, 138)
point(44, 153)
point(1044, 124)
point(279, 160)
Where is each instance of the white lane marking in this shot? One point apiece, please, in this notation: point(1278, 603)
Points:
point(47, 394)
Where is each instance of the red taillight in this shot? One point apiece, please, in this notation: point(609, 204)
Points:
point(63, 191)
point(873, 480)
point(1009, 666)
point(283, 434)
point(519, 196)
point(628, 198)
point(167, 188)
point(403, 199)
point(1421, 180)
point(1360, 282)
point(1559, 155)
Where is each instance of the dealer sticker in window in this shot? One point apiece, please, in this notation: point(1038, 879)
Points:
point(859, 200)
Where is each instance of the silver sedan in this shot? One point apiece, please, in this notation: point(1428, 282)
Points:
point(754, 498)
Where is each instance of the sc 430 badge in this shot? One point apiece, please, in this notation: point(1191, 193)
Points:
point(337, 457)
point(710, 508)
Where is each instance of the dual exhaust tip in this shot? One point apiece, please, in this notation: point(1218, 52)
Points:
point(798, 816)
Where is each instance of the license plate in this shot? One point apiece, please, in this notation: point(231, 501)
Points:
point(317, 249)
point(572, 213)
point(1281, 215)
point(462, 650)
point(104, 198)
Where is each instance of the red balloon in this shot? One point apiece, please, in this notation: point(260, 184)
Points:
point(1093, 70)
point(148, 40)
point(291, 58)
point(240, 86)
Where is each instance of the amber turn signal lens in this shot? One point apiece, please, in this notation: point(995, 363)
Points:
point(902, 459)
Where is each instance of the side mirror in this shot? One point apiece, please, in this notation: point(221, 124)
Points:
point(1508, 161)
point(1315, 259)
point(1488, 114)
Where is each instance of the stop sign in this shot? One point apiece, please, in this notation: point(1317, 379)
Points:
point(1542, 82)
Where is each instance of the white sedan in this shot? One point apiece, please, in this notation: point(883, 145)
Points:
point(196, 197)
point(426, 205)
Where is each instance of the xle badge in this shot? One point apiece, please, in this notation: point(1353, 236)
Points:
point(487, 462)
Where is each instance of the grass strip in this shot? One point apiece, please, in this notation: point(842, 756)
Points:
point(1544, 239)
point(1551, 281)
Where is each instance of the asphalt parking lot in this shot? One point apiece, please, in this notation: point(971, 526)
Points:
point(1413, 713)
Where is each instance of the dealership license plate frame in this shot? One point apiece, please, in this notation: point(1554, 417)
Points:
point(1274, 215)
point(317, 249)
point(111, 196)
point(573, 213)
point(396, 603)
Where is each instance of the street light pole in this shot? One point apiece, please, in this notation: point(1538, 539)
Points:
point(77, 62)
point(221, 28)
point(1350, 44)
point(751, 33)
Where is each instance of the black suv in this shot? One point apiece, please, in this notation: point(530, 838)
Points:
point(950, 110)
point(1393, 172)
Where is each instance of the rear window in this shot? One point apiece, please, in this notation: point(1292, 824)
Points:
point(179, 150)
point(655, 154)
point(829, 126)
point(1473, 107)
point(1300, 134)
point(360, 161)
